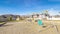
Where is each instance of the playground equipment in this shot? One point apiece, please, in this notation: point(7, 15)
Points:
point(56, 28)
point(45, 27)
point(40, 23)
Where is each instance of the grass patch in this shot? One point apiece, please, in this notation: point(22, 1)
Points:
point(2, 22)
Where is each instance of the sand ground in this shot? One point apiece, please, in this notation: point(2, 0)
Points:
point(29, 28)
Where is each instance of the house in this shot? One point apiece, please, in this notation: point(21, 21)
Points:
point(9, 17)
point(18, 17)
point(3, 19)
point(15, 17)
point(55, 17)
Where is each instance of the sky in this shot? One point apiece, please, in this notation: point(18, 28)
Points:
point(23, 7)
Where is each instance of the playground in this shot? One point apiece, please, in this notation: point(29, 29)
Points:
point(28, 27)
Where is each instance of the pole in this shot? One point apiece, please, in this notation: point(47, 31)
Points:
point(55, 27)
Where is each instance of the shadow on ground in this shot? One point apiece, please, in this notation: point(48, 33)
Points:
point(6, 25)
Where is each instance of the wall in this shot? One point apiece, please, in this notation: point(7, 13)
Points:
point(53, 18)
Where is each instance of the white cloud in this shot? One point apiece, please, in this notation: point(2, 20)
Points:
point(53, 11)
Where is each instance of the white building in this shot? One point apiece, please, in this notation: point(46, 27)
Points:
point(54, 18)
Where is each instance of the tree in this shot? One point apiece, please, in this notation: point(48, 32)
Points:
point(46, 13)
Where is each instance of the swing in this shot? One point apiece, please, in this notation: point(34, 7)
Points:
point(41, 24)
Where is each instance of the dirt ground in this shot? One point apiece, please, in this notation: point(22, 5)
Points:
point(30, 28)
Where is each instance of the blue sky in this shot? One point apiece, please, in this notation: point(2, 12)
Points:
point(23, 7)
